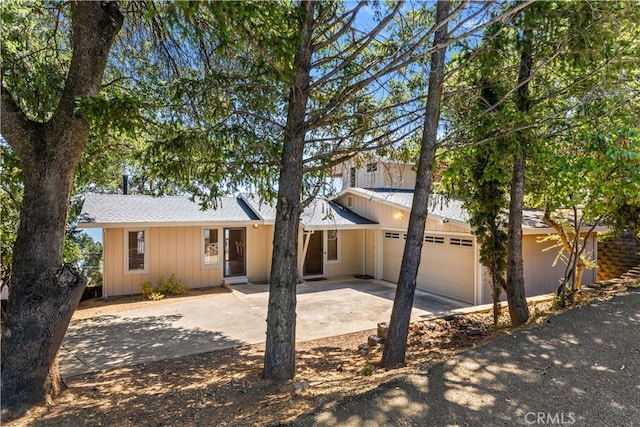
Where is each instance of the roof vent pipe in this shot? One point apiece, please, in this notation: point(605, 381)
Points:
point(125, 184)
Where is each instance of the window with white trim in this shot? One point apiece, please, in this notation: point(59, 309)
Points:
point(461, 242)
point(372, 167)
point(136, 253)
point(333, 245)
point(210, 248)
point(389, 235)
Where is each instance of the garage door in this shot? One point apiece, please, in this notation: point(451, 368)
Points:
point(446, 267)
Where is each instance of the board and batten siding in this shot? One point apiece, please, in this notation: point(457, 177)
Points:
point(540, 275)
point(259, 251)
point(351, 255)
point(170, 250)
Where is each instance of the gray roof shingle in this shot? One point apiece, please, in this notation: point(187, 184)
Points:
point(106, 209)
point(442, 207)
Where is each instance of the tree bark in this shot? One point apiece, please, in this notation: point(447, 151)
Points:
point(279, 359)
point(516, 298)
point(393, 355)
point(43, 293)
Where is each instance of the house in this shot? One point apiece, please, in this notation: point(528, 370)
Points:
point(360, 232)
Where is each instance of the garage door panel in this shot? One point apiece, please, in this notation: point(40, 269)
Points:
point(392, 248)
point(446, 266)
point(447, 269)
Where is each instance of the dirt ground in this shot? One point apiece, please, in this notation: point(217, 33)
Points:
point(225, 388)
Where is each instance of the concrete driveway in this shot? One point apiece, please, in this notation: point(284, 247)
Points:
point(223, 320)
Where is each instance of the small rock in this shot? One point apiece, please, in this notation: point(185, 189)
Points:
point(474, 332)
point(383, 329)
point(300, 388)
point(364, 346)
point(374, 340)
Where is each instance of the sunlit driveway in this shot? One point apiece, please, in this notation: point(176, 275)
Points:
point(235, 317)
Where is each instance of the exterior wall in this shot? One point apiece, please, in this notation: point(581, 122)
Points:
point(371, 246)
point(397, 176)
point(389, 175)
point(351, 255)
point(259, 252)
point(177, 250)
point(540, 275)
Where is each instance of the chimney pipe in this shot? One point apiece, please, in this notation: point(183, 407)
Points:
point(125, 184)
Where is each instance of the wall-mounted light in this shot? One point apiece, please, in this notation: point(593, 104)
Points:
point(255, 225)
point(445, 220)
point(399, 215)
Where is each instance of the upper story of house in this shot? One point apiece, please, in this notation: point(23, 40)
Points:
point(375, 172)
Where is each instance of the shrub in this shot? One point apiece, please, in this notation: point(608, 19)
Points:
point(146, 289)
point(366, 370)
point(173, 286)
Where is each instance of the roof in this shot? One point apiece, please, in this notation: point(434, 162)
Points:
point(104, 210)
point(449, 209)
point(323, 214)
point(319, 214)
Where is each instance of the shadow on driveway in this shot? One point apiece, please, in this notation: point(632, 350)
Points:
point(111, 341)
point(581, 368)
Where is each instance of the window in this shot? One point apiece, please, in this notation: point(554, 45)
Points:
point(210, 246)
point(136, 251)
point(333, 245)
point(434, 239)
point(352, 177)
point(349, 201)
point(461, 242)
point(372, 167)
point(389, 235)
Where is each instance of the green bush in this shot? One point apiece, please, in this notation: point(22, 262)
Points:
point(173, 286)
point(146, 289)
point(366, 370)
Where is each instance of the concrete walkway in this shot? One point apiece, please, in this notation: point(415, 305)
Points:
point(223, 320)
point(582, 368)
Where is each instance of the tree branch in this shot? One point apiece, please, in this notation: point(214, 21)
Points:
point(15, 127)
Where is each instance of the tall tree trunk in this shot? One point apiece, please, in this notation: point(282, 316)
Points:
point(43, 293)
point(516, 298)
point(279, 359)
point(395, 346)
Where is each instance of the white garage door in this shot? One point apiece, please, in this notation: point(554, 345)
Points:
point(446, 267)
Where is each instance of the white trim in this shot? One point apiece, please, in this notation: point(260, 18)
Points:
point(236, 280)
point(204, 266)
point(338, 260)
point(140, 225)
point(478, 289)
point(105, 289)
point(126, 232)
point(244, 255)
